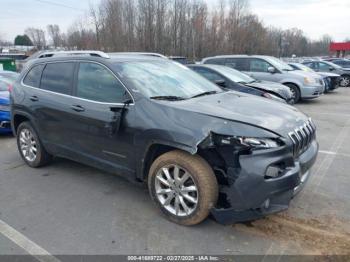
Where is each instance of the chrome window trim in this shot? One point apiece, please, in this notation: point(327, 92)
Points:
point(79, 98)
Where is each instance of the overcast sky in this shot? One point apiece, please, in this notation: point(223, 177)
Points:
point(314, 17)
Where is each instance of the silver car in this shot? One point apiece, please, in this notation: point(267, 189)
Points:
point(304, 85)
point(325, 66)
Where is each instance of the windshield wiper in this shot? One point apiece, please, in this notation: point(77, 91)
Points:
point(205, 94)
point(170, 98)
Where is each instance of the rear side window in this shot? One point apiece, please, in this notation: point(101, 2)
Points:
point(96, 83)
point(240, 64)
point(58, 77)
point(33, 77)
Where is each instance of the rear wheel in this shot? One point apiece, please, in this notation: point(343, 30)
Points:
point(183, 186)
point(30, 147)
point(295, 91)
point(344, 81)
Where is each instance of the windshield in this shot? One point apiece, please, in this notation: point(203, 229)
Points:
point(11, 77)
point(4, 86)
point(304, 68)
point(279, 64)
point(233, 74)
point(333, 65)
point(163, 78)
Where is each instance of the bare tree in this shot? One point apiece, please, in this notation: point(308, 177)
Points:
point(55, 35)
point(186, 27)
point(37, 36)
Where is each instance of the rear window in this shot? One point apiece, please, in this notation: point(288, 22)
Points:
point(58, 77)
point(33, 77)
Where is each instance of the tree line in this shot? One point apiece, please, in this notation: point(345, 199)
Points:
point(188, 28)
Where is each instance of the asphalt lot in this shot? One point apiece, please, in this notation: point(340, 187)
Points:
point(68, 208)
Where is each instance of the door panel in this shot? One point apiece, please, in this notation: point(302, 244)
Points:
point(100, 117)
point(49, 103)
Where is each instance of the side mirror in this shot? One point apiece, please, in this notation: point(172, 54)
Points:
point(271, 69)
point(331, 69)
point(220, 82)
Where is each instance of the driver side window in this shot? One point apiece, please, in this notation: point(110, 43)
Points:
point(96, 83)
point(259, 65)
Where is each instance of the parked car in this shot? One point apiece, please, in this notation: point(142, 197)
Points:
point(6, 81)
point(303, 84)
point(229, 78)
point(324, 66)
point(331, 80)
point(344, 63)
point(200, 149)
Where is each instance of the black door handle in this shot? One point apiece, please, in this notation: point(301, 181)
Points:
point(34, 98)
point(77, 108)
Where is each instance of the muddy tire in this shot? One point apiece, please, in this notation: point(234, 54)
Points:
point(30, 146)
point(183, 186)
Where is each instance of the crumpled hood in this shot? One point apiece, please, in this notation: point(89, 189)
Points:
point(264, 113)
point(273, 87)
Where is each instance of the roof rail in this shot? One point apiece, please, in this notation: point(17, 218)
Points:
point(85, 52)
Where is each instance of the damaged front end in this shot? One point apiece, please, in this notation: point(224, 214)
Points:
point(257, 175)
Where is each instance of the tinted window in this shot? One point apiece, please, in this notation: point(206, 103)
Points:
point(34, 76)
point(96, 83)
point(240, 64)
point(259, 65)
point(208, 74)
point(58, 78)
point(215, 61)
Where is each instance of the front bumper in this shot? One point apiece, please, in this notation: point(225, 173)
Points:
point(251, 196)
point(5, 122)
point(310, 92)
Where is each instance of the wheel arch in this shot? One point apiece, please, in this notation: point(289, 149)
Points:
point(18, 118)
point(155, 150)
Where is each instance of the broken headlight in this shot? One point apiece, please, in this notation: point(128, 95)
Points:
point(250, 142)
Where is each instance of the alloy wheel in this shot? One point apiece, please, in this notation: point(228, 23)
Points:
point(176, 190)
point(344, 81)
point(28, 145)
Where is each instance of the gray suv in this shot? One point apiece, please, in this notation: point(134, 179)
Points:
point(325, 66)
point(303, 84)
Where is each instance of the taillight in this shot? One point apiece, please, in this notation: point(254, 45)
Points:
point(10, 88)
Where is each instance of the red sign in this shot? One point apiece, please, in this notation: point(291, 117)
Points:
point(339, 46)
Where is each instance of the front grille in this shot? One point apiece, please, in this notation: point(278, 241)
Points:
point(302, 137)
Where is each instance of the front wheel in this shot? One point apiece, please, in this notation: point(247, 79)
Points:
point(344, 81)
point(295, 91)
point(183, 186)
